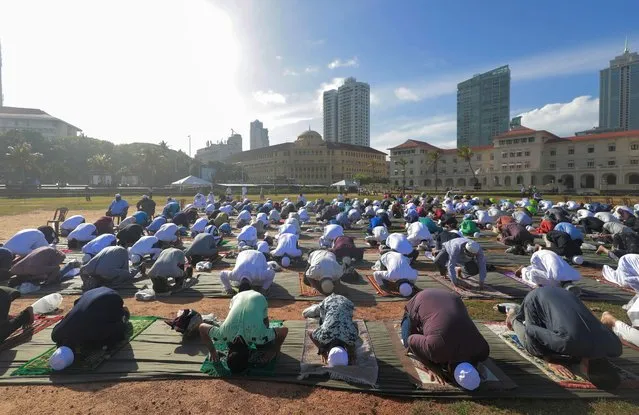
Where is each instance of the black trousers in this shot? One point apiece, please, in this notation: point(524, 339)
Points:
point(8, 326)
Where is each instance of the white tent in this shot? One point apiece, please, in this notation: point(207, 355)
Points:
point(345, 183)
point(191, 181)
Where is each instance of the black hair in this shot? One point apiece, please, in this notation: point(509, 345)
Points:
point(238, 357)
point(245, 285)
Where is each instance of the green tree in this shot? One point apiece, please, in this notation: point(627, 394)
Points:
point(100, 163)
point(433, 159)
point(465, 153)
point(22, 158)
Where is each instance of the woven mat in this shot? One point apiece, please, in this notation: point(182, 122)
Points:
point(20, 336)
point(221, 369)
point(385, 293)
point(364, 371)
point(486, 293)
point(307, 290)
point(565, 375)
point(39, 365)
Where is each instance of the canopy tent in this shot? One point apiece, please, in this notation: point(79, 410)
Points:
point(345, 183)
point(191, 181)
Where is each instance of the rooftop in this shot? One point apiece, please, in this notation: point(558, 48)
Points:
point(32, 113)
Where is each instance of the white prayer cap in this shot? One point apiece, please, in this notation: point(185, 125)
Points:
point(472, 247)
point(530, 228)
point(467, 376)
point(327, 285)
point(86, 258)
point(337, 356)
point(489, 226)
point(477, 234)
point(135, 259)
point(262, 246)
point(61, 358)
point(405, 289)
point(578, 259)
point(286, 261)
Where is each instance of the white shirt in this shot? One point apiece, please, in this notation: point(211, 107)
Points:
point(606, 217)
point(399, 243)
point(380, 233)
point(303, 215)
point(287, 228)
point(522, 218)
point(483, 217)
point(83, 233)
point(294, 222)
point(287, 245)
point(210, 199)
point(228, 209)
point(251, 264)
point(199, 225)
point(262, 218)
point(96, 245)
point(553, 266)
point(127, 221)
point(398, 267)
point(248, 233)
point(572, 205)
point(584, 213)
point(323, 264)
point(25, 241)
point(167, 232)
point(210, 208)
point(143, 246)
point(244, 215)
point(417, 231)
point(199, 200)
point(332, 231)
point(72, 222)
point(274, 215)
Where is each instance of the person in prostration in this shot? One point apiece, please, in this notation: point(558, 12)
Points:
point(203, 248)
point(287, 250)
point(517, 237)
point(42, 265)
point(82, 234)
point(437, 329)
point(110, 267)
point(323, 272)
point(337, 335)
point(251, 271)
point(246, 325)
point(8, 324)
point(555, 325)
point(461, 257)
point(91, 248)
point(25, 241)
point(549, 269)
point(170, 264)
point(627, 272)
point(70, 224)
point(393, 272)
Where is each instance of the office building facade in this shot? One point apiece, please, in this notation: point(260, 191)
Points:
point(221, 150)
point(619, 93)
point(347, 113)
point(483, 107)
point(259, 135)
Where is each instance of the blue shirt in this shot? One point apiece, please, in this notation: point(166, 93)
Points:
point(141, 218)
point(570, 229)
point(117, 207)
point(374, 222)
point(171, 209)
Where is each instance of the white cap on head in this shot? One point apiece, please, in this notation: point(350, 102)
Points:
point(86, 258)
point(136, 259)
point(578, 259)
point(262, 246)
point(472, 247)
point(327, 285)
point(476, 234)
point(489, 226)
point(61, 359)
point(405, 289)
point(337, 356)
point(467, 376)
point(530, 228)
point(286, 261)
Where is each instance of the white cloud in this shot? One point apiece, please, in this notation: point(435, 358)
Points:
point(405, 94)
point(375, 100)
point(564, 119)
point(318, 42)
point(278, 57)
point(338, 63)
point(269, 97)
point(289, 72)
point(311, 69)
point(439, 131)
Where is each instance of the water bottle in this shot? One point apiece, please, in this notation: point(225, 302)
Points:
point(47, 304)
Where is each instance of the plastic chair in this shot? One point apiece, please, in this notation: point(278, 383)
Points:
point(60, 215)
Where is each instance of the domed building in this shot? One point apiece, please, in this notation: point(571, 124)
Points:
point(310, 160)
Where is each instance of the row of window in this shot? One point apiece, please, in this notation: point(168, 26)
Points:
point(517, 141)
point(512, 154)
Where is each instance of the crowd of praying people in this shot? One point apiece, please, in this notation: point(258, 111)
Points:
point(404, 230)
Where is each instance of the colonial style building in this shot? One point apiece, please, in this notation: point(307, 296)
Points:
point(523, 156)
point(310, 160)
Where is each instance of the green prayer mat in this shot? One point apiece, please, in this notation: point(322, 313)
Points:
point(39, 366)
point(221, 369)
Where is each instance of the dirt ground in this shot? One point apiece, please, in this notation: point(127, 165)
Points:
point(221, 396)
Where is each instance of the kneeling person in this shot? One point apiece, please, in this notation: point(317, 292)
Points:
point(169, 265)
point(394, 273)
point(323, 271)
point(251, 271)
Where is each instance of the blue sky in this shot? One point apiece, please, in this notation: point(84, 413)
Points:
point(164, 69)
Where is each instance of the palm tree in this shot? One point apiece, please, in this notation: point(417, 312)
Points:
point(403, 162)
point(21, 158)
point(465, 153)
point(164, 147)
point(433, 157)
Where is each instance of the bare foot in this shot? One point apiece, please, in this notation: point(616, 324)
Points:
point(510, 315)
point(608, 319)
point(458, 270)
point(31, 319)
point(601, 250)
point(518, 272)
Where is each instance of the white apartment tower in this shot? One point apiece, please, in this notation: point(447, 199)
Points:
point(259, 135)
point(330, 115)
point(347, 114)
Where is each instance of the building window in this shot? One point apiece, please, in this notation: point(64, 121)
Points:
point(531, 139)
point(504, 155)
point(553, 152)
point(519, 154)
point(612, 163)
point(634, 146)
point(410, 172)
point(526, 165)
point(571, 164)
point(552, 165)
point(518, 166)
point(571, 150)
point(612, 147)
point(590, 163)
point(492, 156)
point(527, 153)
point(634, 161)
point(591, 149)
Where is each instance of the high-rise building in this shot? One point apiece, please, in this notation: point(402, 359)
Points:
point(619, 93)
point(1, 97)
point(259, 135)
point(483, 107)
point(347, 113)
point(330, 115)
